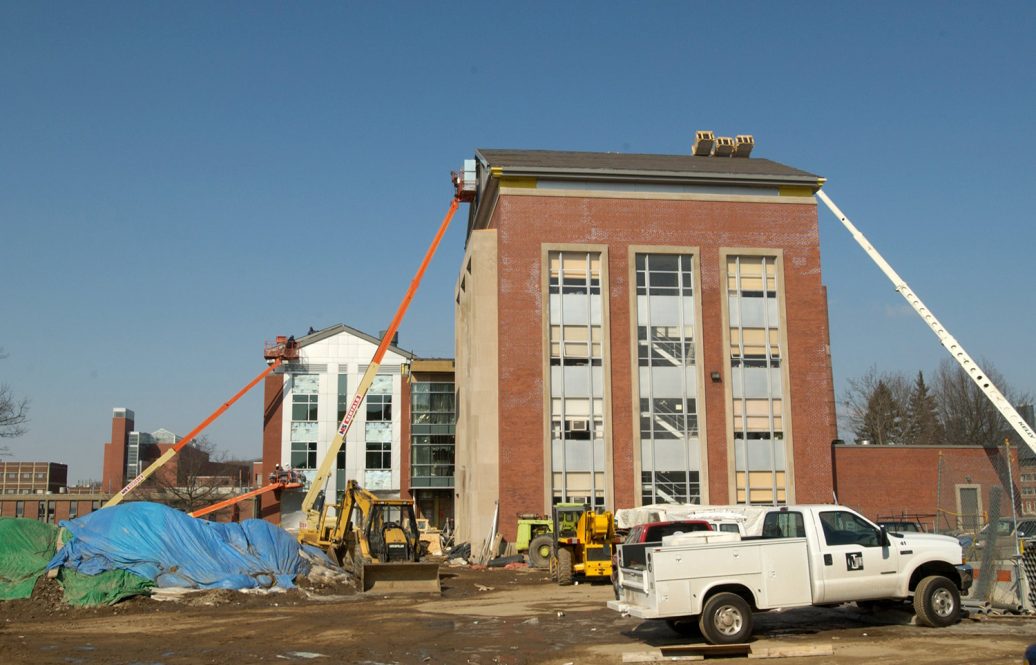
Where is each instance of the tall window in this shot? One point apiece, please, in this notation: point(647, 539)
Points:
point(340, 472)
point(670, 449)
point(755, 373)
point(433, 434)
point(576, 377)
point(305, 392)
point(378, 428)
point(73, 510)
point(19, 509)
point(343, 395)
point(304, 396)
point(133, 455)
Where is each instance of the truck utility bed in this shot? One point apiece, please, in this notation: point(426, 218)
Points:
point(777, 569)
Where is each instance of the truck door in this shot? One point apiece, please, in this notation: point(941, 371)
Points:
point(852, 563)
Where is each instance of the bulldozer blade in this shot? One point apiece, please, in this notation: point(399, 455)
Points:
point(401, 578)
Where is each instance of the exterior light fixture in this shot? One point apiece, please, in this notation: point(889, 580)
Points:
point(715, 377)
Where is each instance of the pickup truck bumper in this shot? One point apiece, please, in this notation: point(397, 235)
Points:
point(632, 610)
point(967, 576)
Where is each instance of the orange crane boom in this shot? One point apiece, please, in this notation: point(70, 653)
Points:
point(168, 455)
point(219, 505)
point(324, 471)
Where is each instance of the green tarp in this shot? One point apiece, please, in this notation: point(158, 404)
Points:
point(27, 546)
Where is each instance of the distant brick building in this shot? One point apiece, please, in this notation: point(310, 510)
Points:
point(949, 488)
point(32, 477)
point(639, 328)
point(130, 452)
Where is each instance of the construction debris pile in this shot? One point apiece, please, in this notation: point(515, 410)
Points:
point(126, 550)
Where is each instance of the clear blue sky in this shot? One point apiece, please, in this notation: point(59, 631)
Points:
point(180, 181)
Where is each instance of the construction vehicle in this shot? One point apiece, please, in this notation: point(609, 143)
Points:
point(535, 539)
point(464, 191)
point(970, 367)
point(377, 540)
point(275, 486)
point(584, 541)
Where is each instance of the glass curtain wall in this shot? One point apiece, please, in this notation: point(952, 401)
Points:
point(576, 378)
point(305, 392)
point(343, 406)
point(670, 448)
point(755, 369)
point(378, 428)
point(433, 428)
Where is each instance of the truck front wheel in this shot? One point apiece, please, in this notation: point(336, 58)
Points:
point(726, 619)
point(937, 602)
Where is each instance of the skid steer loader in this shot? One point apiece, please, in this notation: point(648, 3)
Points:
point(376, 539)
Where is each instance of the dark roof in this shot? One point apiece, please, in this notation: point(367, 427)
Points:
point(661, 167)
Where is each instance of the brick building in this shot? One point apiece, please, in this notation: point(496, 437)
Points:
point(950, 488)
point(39, 491)
point(32, 477)
point(639, 328)
point(190, 479)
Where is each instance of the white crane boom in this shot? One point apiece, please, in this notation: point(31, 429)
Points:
point(970, 367)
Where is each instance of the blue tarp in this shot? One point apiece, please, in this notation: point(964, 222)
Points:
point(173, 549)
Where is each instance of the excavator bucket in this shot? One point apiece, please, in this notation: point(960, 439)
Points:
point(401, 578)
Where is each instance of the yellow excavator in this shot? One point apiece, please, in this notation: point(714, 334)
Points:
point(376, 539)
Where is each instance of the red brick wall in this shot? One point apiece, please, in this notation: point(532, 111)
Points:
point(524, 223)
point(113, 477)
point(273, 410)
point(890, 480)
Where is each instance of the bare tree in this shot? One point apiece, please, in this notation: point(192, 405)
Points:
point(14, 412)
point(859, 400)
point(198, 478)
point(967, 415)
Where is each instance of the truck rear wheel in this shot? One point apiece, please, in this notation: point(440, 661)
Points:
point(565, 571)
point(937, 602)
point(539, 551)
point(726, 619)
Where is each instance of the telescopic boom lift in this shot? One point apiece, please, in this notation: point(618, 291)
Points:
point(957, 351)
point(313, 503)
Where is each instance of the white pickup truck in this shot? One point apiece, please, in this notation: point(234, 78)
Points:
point(806, 555)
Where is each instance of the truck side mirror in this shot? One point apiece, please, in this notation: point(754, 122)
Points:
point(884, 534)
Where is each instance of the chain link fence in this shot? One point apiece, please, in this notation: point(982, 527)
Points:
point(980, 505)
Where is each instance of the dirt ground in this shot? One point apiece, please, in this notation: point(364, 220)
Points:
point(495, 616)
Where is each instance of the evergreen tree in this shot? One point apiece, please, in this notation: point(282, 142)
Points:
point(922, 426)
point(883, 420)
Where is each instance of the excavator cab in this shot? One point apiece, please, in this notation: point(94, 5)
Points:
point(392, 534)
point(377, 539)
